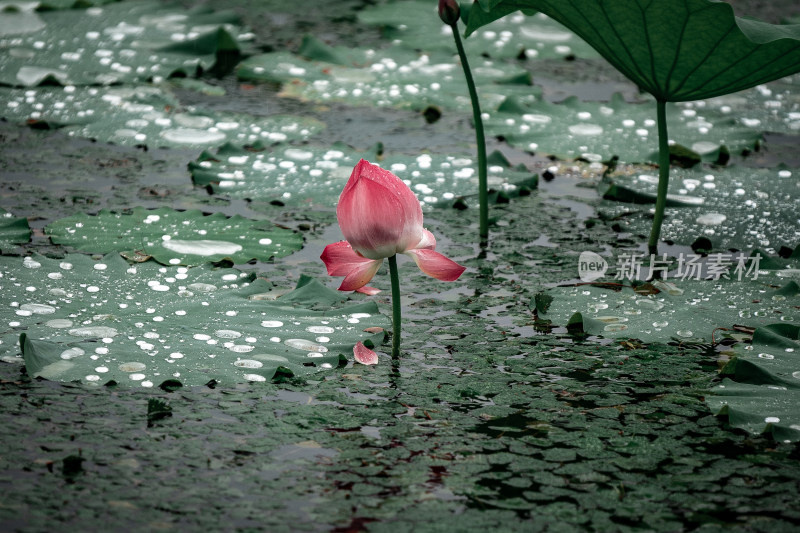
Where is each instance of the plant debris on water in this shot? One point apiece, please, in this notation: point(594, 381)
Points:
point(175, 355)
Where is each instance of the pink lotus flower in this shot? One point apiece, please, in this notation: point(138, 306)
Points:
point(380, 217)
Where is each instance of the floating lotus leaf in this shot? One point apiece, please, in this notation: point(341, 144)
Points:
point(763, 389)
point(145, 115)
point(313, 175)
point(677, 51)
point(13, 230)
point(115, 43)
point(416, 25)
point(98, 321)
point(394, 77)
point(734, 207)
point(686, 310)
point(174, 237)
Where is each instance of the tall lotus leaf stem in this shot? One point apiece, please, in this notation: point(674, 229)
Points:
point(663, 176)
point(449, 14)
point(396, 309)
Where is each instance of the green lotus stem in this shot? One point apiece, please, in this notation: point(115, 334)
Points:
point(663, 177)
point(396, 310)
point(483, 194)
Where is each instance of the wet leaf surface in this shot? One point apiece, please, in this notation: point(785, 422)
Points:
point(174, 237)
point(600, 130)
point(394, 78)
point(761, 392)
point(146, 116)
point(491, 419)
point(314, 175)
point(684, 309)
point(735, 207)
point(142, 325)
point(115, 43)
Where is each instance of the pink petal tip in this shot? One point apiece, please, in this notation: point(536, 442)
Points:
point(436, 265)
point(369, 291)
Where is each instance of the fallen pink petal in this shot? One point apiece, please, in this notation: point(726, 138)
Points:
point(364, 355)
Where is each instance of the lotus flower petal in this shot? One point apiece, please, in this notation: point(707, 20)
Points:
point(341, 260)
point(378, 214)
point(364, 355)
point(436, 265)
point(361, 275)
point(369, 291)
point(428, 241)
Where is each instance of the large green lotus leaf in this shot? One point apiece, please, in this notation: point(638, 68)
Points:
point(741, 208)
point(679, 50)
point(394, 77)
point(13, 230)
point(314, 175)
point(145, 115)
point(101, 320)
point(174, 237)
point(687, 310)
point(116, 43)
point(416, 25)
point(763, 392)
point(598, 130)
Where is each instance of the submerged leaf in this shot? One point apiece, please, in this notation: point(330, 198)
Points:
point(157, 410)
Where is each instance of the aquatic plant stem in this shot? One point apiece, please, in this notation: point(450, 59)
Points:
point(483, 195)
point(396, 309)
point(663, 177)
